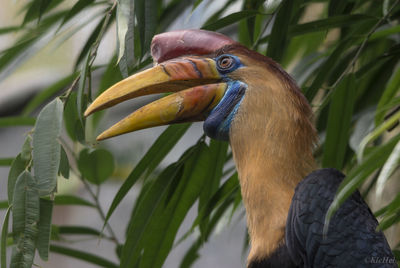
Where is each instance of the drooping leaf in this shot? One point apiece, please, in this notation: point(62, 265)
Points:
point(124, 12)
point(3, 243)
point(73, 125)
point(146, 14)
point(230, 19)
point(77, 7)
point(44, 228)
point(64, 164)
point(146, 208)
point(392, 88)
point(80, 95)
point(160, 148)
point(376, 133)
point(77, 230)
point(339, 123)
point(375, 159)
point(17, 167)
point(46, 148)
point(68, 200)
point(388, 168)
point(25, 220)
point(96, 166)
point(277, 43)
point(47, 93)
point(163, 229)
point(6, 161)
point(12, 121)
point(82, 255)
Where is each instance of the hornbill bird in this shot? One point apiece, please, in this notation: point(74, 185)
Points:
point(250, 101)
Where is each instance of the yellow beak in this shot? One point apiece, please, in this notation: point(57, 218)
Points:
point(195, 80)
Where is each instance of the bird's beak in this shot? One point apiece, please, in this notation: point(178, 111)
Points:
point(197, 85)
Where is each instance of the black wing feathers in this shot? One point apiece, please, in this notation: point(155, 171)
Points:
point(351, 240)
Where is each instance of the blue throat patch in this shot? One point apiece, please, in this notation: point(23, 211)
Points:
point(219, 121)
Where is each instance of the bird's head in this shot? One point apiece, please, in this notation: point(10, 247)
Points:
point(212, 78)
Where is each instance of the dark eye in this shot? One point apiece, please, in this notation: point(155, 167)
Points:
point(225, 62)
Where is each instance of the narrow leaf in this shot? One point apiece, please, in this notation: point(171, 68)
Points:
point(67, 200)
point(25, 219)
point(378, 131)
point(278, 40)
point(47, 93)
point(64, 164)
point(44, 226)
point(160, 148)
point(13, 121)
point(3, 243)
point(387, 170)
point(46, 148)
point(391, 90)
point(77, 7)
point(230, 19)
point(339, 123)
point(6, 161)
point(358, 175)
point(163, 229)
point(82, 255)
point(17, 167)
point(145, 209)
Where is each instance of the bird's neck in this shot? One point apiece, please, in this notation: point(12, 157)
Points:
point(273, 153)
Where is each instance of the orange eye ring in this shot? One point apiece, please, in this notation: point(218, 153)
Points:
point(225, 62)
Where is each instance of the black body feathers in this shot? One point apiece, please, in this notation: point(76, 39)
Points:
point(351, 241)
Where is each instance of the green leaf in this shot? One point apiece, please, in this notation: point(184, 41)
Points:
point(388, 168)
point(4, 162)
point(196, 4)
point(46, 148)
point(328, 23)
point(80, 103)
point(339, 123)
point(78, 7)
point(230, 19)
point(278, 39)
point(145, 210)
point(47, 93)
point(378, 131)
point(73, 125)
point(44, 226)
point(157, 152)
point(391, 90)
point(67, 200)
point(17, 167)
point(3, 243)
point(77, 230)
point(10, 29)
point(222, 194)
point(36, 10)
point(96, 166)
point(326, 68)
point(124, 12)
point(92, 39)
point(163, 228)
point(376, 158)
point(25, 220)
point(64, 164)
point(146, 14)
point(4, 204)
point(82, 255)
point(13, 121)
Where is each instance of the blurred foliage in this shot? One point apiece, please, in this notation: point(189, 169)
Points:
point(343, 54)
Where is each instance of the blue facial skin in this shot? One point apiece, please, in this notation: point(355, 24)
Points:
point(218, 122)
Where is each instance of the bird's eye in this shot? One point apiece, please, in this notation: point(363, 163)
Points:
point(225, 62)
